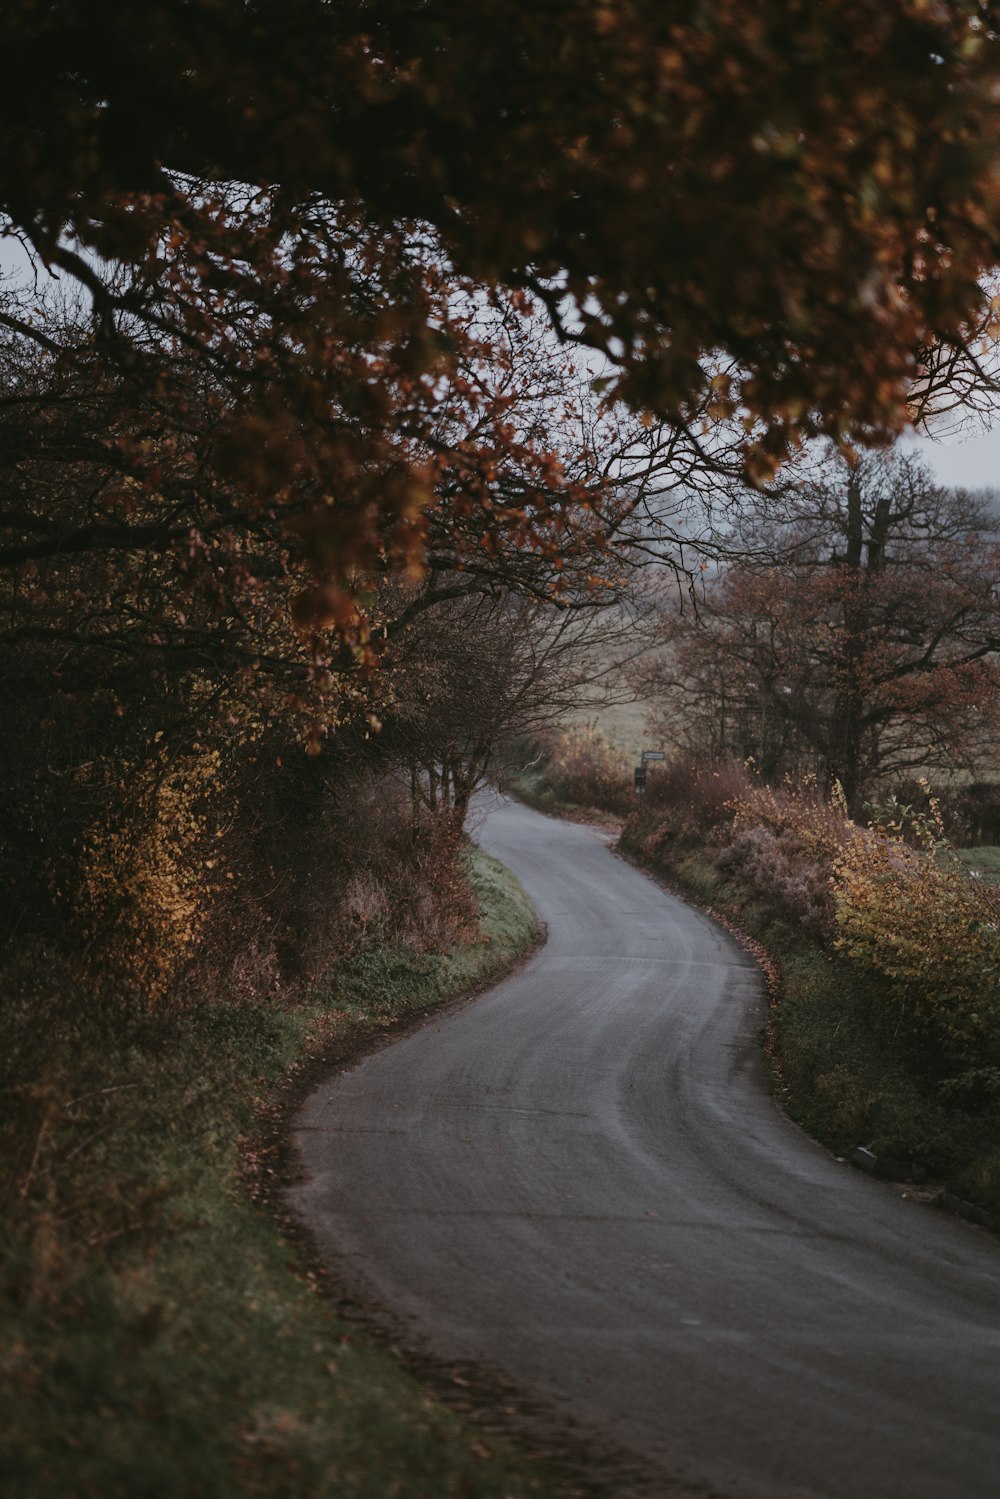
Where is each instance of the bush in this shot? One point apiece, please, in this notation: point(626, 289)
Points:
point(774, 863)
point(915, 917)
point(781, 843)
point(575, 768)
point(784, 844)
point(686, 805)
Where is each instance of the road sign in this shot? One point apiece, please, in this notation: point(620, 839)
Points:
point(652, 755)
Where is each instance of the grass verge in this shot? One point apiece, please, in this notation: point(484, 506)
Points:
point(161, 1337)
point(843, 1067)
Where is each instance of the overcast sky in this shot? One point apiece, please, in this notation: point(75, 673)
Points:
point(974, 464)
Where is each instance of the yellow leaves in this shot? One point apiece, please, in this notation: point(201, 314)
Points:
point(914, 916)
point(146, 883)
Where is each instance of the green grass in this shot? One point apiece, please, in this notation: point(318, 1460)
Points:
point(983, 861)
point(160, 1338)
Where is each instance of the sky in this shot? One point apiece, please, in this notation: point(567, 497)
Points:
point(972, 464)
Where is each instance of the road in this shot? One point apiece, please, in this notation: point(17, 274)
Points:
point(581, 1181)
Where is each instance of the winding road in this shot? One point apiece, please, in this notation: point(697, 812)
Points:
point(581, 1182)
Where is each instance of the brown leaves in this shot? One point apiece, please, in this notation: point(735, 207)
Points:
point(754, 184)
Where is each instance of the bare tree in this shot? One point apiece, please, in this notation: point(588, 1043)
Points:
point(473, 673)
point(866, 647)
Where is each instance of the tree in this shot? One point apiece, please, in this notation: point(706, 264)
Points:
point(865, 647)
point(807, 194)
point(474, 673)
point(165, 643)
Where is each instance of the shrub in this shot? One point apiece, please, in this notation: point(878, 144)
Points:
point(584, 770)
point(914, 916)
point(793, 883)
point(694, 798)
point(780, 843)
point(686, 805)
point(784, 842)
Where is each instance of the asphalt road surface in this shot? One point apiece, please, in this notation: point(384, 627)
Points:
point(581, 1181)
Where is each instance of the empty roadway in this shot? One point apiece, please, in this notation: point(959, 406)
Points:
point(581, 1181)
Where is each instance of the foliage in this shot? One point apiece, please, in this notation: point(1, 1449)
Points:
point(573, 768)
point(914, 916)
point(779, 842)
point(687, 800)
point(774, 863)
point(157, 811)
point(281, 160)
point(293, 417)
point(164, 665)
point(159, 1335)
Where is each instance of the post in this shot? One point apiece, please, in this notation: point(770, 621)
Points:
point(640, 785)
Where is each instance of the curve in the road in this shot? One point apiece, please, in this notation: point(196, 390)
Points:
point(581, 1181)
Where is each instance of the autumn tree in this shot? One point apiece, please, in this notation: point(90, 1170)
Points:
point(166, 646)
point(789, 210)
point(865, 647)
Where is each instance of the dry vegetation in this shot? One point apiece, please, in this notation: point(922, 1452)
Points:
point(566, 770)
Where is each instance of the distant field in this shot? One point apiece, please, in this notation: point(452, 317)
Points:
point(983, 861)
point(622, 725)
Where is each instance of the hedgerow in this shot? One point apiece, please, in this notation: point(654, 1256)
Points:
point(571, 768)
point(909, 911)
point(888, 1030)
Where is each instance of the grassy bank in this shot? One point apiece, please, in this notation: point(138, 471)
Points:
point(984, 862)
point(160, 1337)
point(885, 1035)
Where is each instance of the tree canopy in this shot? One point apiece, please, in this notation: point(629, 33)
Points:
point(808, 193)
